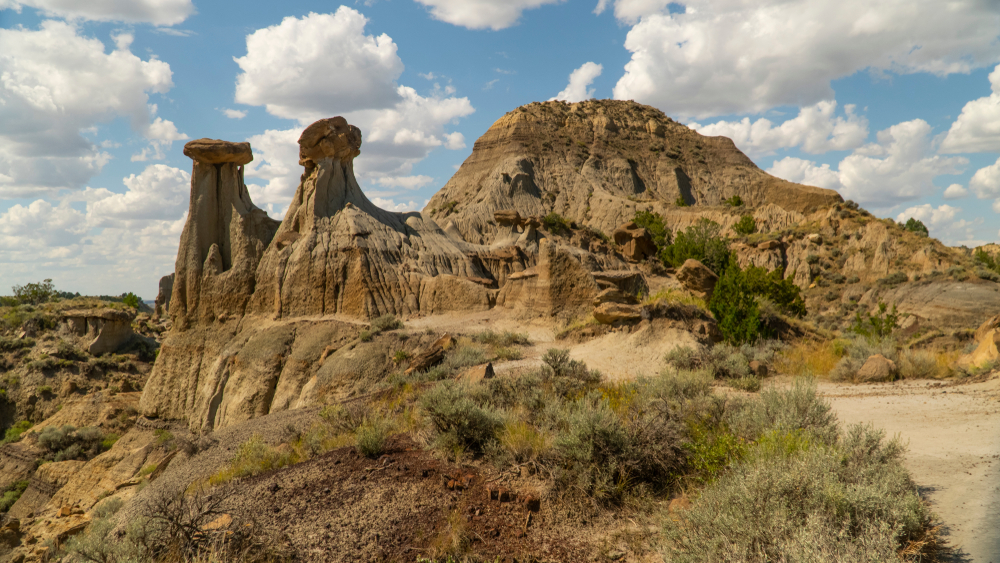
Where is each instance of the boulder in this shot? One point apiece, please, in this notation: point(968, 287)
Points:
point(697, 278)
point(477, 373)
point(507, 217)
point(107, 329)
point(877, 369)
point(758, 369)
point(769, 245)
point(614, 296)
point(214, 151)
point(612, 313)
point(635, 242)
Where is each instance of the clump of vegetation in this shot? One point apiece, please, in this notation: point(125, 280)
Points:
point(131, 300)
point(894, 278)
point(737, 298)
point(555, 223)
point(11, 494)
point(252, 457)
point(13, 434)
point(747, 225)
point(915, 226)
point(725, 361)
point(680, 201)
point(701, 241)
point(69, 443)
point(385, 323)
point(34, 293)
point(878, 326)
point(654, 224)
point(735, 201)
point(504, 338)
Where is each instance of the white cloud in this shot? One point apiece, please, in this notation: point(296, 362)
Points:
point(399, 126)
point(234, 113)
point(579, 80)
point(730, 57)
point(321, 64)
point(405, 182)
point(977, 129)
point(955, 191)
point(932, 217)
point(815, 130)
point(116, 242)
point(986, 181)
point(55, 84)
point(161, 134)
point(631, 10)
point(481, 14)
point(900, 167)
point(390, 205)
point(156, 12)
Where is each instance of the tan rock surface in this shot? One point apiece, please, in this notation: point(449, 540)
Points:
point(697, 278)
point(877, 369)
point(213, 151)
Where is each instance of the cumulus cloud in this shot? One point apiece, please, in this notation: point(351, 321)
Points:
point(977, 129)
point(579, 80)
point(114, 242)
point(900, 166)
point(631, 10)
point(309, 68)
point(405, 182)
point(481, 14)
point(156, 12)
point(931, 216)
point(955, 191)
point(711, 60)
point(815, 130)
point(400, 126)
point(161, 134)
point(986, 181)
point(234, 113)
point(54, 84)
point(390, 205)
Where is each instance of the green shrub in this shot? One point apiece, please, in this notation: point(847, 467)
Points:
point(11, 494)
point(69, 443)
point(12, 344)
point(812, 259)
point(797, 408)
point(459, 421)
point(749, 383)
point(13, 434)
point(735, 308)
point(680, 201)
point(371, 436)
point(747, 225)
point(853, 279)
point(894, 278)
point(916, 226)
point(987, 261)
point(384, 323)
point(365, 336)
point(917, 364)
point(44, 389)
point(773, 286)
point(800, 502)
point(401, 356)
point(877, 326)
point(505, 338)
point(555, 223)
point(654, 223)
point(701, 241)
point(735, 201)
point(984, 274)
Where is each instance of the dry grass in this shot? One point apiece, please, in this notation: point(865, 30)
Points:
point(673, 296)
point(809, 358)
point(575, 324)
point(523, 441)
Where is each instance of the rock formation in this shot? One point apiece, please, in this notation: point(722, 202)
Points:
point(105, 330)
point(597, 162)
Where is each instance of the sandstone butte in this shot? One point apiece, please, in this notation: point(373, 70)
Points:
point(264, 314)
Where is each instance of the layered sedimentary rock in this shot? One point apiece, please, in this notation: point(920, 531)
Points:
point(223, 239)
point(105, 330)
point(597, 162)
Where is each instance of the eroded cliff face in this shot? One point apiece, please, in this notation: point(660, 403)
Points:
point(254, 302)
point(597, 162)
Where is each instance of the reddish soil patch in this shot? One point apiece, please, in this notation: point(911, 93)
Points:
point(342, 506)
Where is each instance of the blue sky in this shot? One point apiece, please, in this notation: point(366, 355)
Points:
point(896, 104)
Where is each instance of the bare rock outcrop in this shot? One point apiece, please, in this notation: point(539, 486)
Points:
point(877, 369)
point(161, 306)
point(105, 330)
point(635, 242)
point(598, 162)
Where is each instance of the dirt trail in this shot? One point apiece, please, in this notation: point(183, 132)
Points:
point(953, 433)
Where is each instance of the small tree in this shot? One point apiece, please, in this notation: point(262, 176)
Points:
point(878, 326)
point(735, 308)
point(916, 226)
point(34, 293)
point(132, 300)
point(653, 222)
point(703, 242)
point(746, 225)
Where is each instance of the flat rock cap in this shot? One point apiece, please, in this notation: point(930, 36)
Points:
point(214, 151)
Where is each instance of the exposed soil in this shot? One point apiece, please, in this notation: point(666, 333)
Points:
point(342, 506)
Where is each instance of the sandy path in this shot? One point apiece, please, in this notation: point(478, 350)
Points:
point(953, 432)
